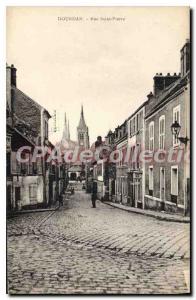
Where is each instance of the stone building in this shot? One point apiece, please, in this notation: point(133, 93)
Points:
point(167, 176)
point(136, 167)
point(110, 168)
point(32, 184)
point(156, 171)
point(121, 142)
point(99, 169)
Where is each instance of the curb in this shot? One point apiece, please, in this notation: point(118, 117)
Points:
point(32, 211)
point(149, 214)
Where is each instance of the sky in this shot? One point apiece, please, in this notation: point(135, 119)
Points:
point(64, 58)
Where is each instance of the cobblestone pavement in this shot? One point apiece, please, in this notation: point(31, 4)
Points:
point(82, 250)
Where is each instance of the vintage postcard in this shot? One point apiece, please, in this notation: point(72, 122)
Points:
point(98, 150)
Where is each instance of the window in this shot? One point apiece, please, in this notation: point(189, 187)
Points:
point(130, 127)
point(134, 125)
point(162, 132)
point(39, 165)
point(120, 157)
point(137, 122)
point(137, 158)
point(15, 164)
point(8, 163)
point(33, 193)
point(46, 129)
point(174, 184)
point(151, 181)
point(141, 120)
point(132, 157)
point(151, 136)
point(176, 117)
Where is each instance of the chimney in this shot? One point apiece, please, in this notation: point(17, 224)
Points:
point(150, 96)
point(158, 83)
point(161, 82)
point(13, 75)
point(185, 58)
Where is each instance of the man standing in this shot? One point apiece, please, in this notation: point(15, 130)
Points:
point(94, 194)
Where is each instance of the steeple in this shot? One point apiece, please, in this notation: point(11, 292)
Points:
point(82, 124)
point(82, 130)
point(68, 132)
point(65, 131)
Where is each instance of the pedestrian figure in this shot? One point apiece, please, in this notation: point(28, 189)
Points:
point(61, 199)
point(94, 194)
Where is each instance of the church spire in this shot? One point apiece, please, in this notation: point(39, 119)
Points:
point(65, 121)
point(82, 112)
point(65, 131)
point(68, 132)
point(82, 123)
point(82, 131)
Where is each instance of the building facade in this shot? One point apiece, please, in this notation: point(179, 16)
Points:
point(167, 173)
point(136, 167)
point(121, 142)
point(153, 170)
point(30, 184)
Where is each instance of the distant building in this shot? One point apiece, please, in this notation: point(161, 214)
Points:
point(99, 170)
point(121, 142)
point(76, 170)
point(82, 132)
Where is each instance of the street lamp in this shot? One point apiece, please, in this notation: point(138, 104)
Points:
point(175, 129)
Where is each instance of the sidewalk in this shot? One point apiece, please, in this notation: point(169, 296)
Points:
point(27, 211)
point(150, 213)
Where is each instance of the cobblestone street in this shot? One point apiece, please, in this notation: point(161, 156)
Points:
point(82, 250)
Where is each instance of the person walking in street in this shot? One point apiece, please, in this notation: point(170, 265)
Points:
point(61, 199)
point(94, 194)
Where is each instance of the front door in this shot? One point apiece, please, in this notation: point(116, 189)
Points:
point(9, 198)
point(73, 177)
point(162, 187)
point(113, 188)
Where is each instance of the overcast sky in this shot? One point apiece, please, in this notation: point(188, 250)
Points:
point(107, 66)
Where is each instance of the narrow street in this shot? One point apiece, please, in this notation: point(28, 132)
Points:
point(105, 250)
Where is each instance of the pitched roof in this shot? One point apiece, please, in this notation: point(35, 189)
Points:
point(75, 168)
point(19, 94)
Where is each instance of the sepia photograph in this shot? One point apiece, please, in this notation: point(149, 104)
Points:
point(98, 142)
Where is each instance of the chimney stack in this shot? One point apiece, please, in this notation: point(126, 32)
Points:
point(150, 96)
point(185, 58)
point(13, 75)
point(161, 82)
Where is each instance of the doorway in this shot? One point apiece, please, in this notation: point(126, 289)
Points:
point(9, 198)
point(17, 197)
point(73, 176)
point(162, 187)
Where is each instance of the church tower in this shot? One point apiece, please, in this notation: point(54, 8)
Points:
point(82, 131)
